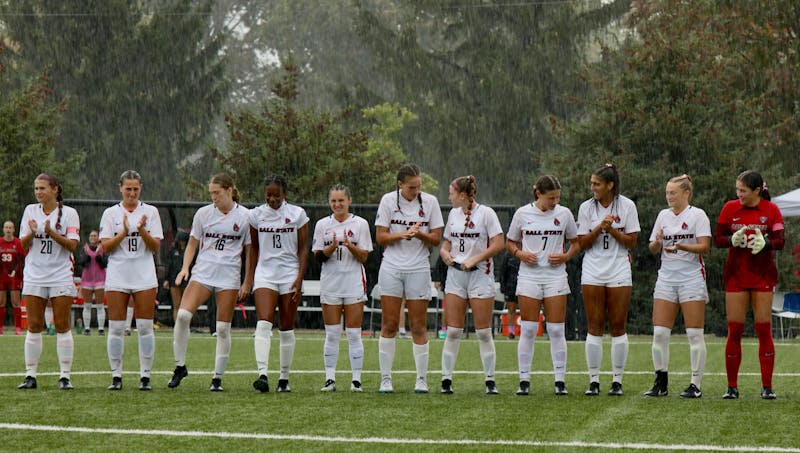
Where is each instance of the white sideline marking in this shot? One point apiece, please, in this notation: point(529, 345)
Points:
point(385, 440)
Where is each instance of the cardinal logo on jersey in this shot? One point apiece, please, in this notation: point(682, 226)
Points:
point(287, 220)
point(685, 226)
point(235, 227)
point(616, 219)
point(471, 224)
point(763, 219)
point(349, 233)
point(556, 222)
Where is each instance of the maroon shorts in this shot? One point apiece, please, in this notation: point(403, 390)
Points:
point(10, 284)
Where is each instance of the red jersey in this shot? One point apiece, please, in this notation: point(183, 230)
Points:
point(743, 270)
point(12, 255)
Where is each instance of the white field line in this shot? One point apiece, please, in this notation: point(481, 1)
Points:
point(346, 371)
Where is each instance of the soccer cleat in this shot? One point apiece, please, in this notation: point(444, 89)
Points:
point(17, 331)
point(177, 376)
point(731, 394)
point(616, 389)
point(691, 392)
point(261, 384)
point(216, 385)
point(560, 388)
point(116, 383)
point(330, 386)
point(421, 386)
point(87, 332)
point(144, 384)
point(355, 386)
point(593, 390)
point(491, 389)
point(767, 394)
point(127, 332)
point(283, 386)
point(386, 385)
point(65, 384)
point(28, 383)
point(524, 388)
point(101, 332)
point(511, 335)
point(447, 386)
point(659, 385)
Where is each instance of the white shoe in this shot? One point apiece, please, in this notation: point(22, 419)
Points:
point(386, 385)
point(355, 386)
point(330, 386)
point(421, 386)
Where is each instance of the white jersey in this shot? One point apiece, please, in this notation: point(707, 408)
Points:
point(342, 275)
point(473, 238)
point(131, 264)
point(222, 238)
point(686, 227)
point(606, 256)
point(277, 242)
point(48, 263)
point(398, 214)
point(543, 233)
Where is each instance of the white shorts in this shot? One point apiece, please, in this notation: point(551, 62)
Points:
point(622, 277)
point(689, 291)
point(129, 290)
point(215, 286)
point(540, 291)
point(213, 289)
point(409, 286)
point(280, 288)
point(92, 288)
point(469, 285)
point(49, 292)
point(335, 300)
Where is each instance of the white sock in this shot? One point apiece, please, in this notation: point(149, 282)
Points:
point(147, 345)
point(87, 314)
point(129, 318)
point(558, 350)
point(421, 359)
point(661, 348)
point(180, 336)
point(386, 348)
point(488, 353)
point(697, 354)
point(101, 316)
point(452, 341)
point(287, 352)
point(619, 355)
point(527, 338)
point(330, 351)
point(223, 348)
point(65, 347)
point(33, 350)
point(356, 347)
point(48, 315)
point(594, 356)
point(261, 343)
point(115, 346)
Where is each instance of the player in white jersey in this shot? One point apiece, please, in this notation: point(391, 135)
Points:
point(472, 237)
point(50, 231)
point(279, 232)
point(221, 231)
point(407, 224)
point(131, 234)
point(681, 235)
point(608, 226)
point(341, 244)
point(538, 236)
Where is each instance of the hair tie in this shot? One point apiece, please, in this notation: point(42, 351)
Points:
point(609, 165)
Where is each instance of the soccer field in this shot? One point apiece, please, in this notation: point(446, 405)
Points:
point(241, 419)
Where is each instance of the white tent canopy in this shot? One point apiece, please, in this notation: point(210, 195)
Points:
point(789, 203)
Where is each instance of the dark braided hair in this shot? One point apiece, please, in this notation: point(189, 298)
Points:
point(278, 180)
point(51, 180)
point(466, 185)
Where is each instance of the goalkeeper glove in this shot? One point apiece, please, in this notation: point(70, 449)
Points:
point(757, 243)
point(739, 238)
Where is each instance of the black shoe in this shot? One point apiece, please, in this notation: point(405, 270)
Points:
point(64, 384)
point(28, 383)
point(524, 388)
point(511, 335)
point(116, 383)
point(177, 375)
point(691, 392)
point(660, 385)
point(87, 332)
point(491, 389)
point(355, 386)
point(593, 390)
point(731, 394)
point(560, 388)
point(447, 386)
point(101, 333)
point(330, 386)
point(283, 386)
point(144, 384)
point(616, 389)
point(216, 385)
point(261, 384)
point(768, 394)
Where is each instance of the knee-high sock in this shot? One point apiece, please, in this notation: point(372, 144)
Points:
point(488, 353)
point(558, 350)
point(147, 345)
point(733, 352)
point(87, 314)
point(330, 351)
point(65, 347)
point(101, 316)
point(525, 347)
point(33, 350)
point(356, 349)
point(261, 344)
point(2, 315)
point(115, 346)
point(697, 354)
point(129, 318)
point(766, 352)
point(594, 356)
point(287, 352)
point(223, 348)
point(660, 348)
point(619, 355)
point(450, 351)
point(180, 336)
point(386, 348)
point(421, 359)
point(18, 317)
